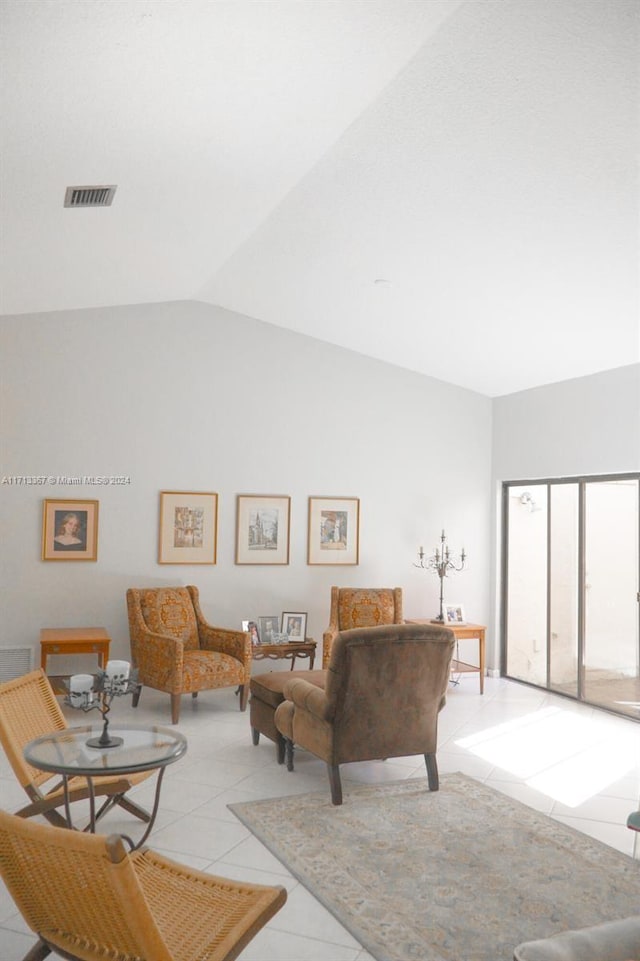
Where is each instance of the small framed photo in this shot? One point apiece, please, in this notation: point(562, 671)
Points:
point(252, 628)
point(70, 530)
point(453, 614)
point(334, 530)
point(262, 529)
point(269, 626)
point(294, 625)
point(188, 527)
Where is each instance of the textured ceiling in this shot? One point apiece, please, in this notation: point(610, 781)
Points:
point(448, 186)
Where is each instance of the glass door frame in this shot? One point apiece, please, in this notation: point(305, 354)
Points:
point(547, 484)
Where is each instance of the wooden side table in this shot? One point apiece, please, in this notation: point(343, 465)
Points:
point(74, 640)
point(463, 632)
point(289, 652)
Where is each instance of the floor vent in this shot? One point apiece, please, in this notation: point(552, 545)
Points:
point(14, 662)
point(89, 196)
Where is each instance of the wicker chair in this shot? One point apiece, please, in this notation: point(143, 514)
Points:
point(28, 709)
point(88, 899)
point(353, 607)
point(177, 651)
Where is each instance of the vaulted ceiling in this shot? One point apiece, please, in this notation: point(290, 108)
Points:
point(449, 186)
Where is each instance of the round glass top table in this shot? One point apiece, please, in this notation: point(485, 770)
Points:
point(144, 747)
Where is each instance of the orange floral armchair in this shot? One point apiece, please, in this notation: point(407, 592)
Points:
point(175, 650)
point(353, 607)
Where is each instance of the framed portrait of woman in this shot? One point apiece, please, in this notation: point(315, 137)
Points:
point(70, 530)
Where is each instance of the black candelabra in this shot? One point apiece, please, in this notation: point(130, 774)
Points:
point(96, 692)
point(442, 562)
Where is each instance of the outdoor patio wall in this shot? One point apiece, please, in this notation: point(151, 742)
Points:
point(188, 397)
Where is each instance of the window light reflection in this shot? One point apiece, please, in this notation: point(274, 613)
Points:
point(558, 753)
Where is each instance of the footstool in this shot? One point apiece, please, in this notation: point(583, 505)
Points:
point(266, 692)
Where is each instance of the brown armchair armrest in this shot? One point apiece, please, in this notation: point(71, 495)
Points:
point(308, 697)
point(235, 643)
point(158, 658)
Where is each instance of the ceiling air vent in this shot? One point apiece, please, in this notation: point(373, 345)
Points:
point(89, 196)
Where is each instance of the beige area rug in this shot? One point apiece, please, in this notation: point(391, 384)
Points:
point(463, 874)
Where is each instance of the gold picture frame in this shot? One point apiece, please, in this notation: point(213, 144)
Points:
point(70, 530)
point(334, 530)
point(262, 529)
point(188, 527)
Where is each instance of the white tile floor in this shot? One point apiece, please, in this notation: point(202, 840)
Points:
point(576, 764)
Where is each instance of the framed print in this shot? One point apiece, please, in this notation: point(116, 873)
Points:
point(70, 530)
point(453, 613)
point(188, 527)
point(294, 625)
point(252, 628)
point(334, 530)
point(262, 529)
point(269, 626)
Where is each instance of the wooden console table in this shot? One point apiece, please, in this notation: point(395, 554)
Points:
point(463, 632)
point(288, 652)
point(74, 640)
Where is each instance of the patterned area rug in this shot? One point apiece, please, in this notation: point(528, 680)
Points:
point(464, 874)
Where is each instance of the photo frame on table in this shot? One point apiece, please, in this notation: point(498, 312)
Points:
point(252, 628)
point(294, 625)
point(70, 530)
point(262, 529)
point(269, 626)
point(188, 531)
point(334, 530)
point(453, 613)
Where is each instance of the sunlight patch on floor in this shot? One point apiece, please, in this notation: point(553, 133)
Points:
point(564, 756)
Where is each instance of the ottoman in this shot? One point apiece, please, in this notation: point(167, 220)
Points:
point(266, 692)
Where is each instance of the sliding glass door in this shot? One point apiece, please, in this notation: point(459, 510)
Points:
point(571, 582)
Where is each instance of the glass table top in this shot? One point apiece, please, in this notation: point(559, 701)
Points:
point(144, 747)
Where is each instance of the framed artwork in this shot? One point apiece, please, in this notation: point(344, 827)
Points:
point(294, 625)
point(188, 527)
point(262, 529)
point(70, 530)
point(334, 530)
point(453, 613)
point(269, 626)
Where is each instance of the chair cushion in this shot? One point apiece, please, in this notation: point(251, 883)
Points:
point(611, 941)
point(205, 670)
point(168, 610)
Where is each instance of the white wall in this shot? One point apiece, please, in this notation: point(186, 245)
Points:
point(586, 426)
point(184, 396)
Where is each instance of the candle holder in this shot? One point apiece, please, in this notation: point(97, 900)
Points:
point(441, 562)
point(106, 685)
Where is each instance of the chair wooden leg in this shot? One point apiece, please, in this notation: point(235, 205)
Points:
point(39, 951)
point(288, 745)
point(136, 695)
point(255, 735)
point(175, 708)
point(432, 772)
point(244, 696)
point(128, 805)
point(280, 747)
point(194, 694)
point(335, 783)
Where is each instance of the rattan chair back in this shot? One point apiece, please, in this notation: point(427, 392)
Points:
point(28, 709)
point(87, 898)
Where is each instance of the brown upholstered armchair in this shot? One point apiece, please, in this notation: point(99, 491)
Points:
point(177, 651)
point(353, 607)
point(384, 689)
